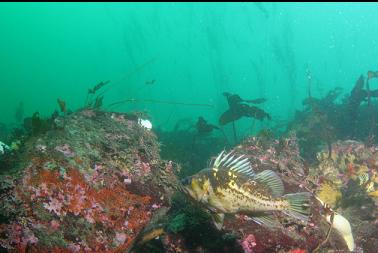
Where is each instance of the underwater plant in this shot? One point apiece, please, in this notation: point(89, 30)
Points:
point(238, 109)
point(36, 125)
point(62, 105)
point(94, 101)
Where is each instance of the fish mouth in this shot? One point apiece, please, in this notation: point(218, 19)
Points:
point(185, 181)
point(185, 186)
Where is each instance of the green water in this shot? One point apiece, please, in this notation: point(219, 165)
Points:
point(192, 51)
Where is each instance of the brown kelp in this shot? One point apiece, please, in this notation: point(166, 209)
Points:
point(203, 127)
point(94, 101)
point(326, 119)
point(97, 87)
point(238, 109)
point(370, 93)
point(62, 105)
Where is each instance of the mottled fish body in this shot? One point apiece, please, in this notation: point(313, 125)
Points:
point(230, 186)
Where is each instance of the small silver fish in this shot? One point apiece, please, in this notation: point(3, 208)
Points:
point(230, 186)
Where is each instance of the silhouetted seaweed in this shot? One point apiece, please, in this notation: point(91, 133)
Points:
point(324, 120)
point(19, 113)
point(92, 101)
point(62, 105)
point(36, 125)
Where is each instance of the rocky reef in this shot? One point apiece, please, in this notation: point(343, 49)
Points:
point(89, 184)
point(346, 179)
point(331, 182)
point(93, 181)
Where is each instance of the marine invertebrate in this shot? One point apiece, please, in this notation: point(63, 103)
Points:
point(342, 226)
point(82, 190)
point(65, 149)
point(329, 193)
point(298, 251)
point(248, 243)
point(3, 147)
point(373, 194)
point(145, 123)
point(71, 196)
point(339, 223)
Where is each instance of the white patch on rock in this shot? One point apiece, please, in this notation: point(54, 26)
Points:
point(145, 123)
point(3, 147)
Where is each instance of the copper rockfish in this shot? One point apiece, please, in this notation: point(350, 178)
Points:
point(230, 186)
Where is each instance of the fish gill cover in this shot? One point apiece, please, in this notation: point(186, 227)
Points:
point(108, 110)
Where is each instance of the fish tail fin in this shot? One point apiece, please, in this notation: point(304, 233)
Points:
point(299, 205)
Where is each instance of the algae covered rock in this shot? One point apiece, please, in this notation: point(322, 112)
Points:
point(345, 180)
point(89, 184)
point(347, 164)
point(329, 193)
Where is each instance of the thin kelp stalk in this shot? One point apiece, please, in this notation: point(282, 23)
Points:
point(325, 128)
point(253, 126)
point(92, 92)
point(329, 144)
point(327, 236)
point(309, 83)
point(225, 136)
point(371, 136)
point(234, 131)
point(153, 101)
point(134, 71)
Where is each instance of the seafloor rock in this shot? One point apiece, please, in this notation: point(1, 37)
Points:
point(346, 177)
point(283, 157)
point(89, 185)
point(351, 168)
point(95, 181)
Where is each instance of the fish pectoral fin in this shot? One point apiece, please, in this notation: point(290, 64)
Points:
point(267, 220)
point(218, 219)
point(272, 181)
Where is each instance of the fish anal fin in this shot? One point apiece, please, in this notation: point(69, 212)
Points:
point(272, 181)
point(218, 219)
point(267, 220)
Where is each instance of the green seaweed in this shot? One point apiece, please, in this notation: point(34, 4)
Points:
point(50, 240)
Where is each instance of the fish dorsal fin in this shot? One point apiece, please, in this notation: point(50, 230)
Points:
point(233, 163)
point(273, 182)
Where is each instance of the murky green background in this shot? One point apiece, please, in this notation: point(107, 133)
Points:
point(193, 51)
